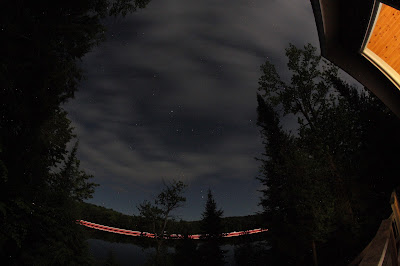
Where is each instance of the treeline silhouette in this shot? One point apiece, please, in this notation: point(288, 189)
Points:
point(40, 179)
point(206, 251)
point(106, 216)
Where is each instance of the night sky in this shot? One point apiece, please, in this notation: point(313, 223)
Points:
point(172, 94)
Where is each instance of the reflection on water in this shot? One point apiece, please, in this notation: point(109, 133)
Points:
point(130, 254)
point(125, 253)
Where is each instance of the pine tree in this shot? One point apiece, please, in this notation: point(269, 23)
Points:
point(211, 226)
point(211, 223)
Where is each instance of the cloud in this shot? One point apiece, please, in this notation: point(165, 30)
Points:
point(172, 93)
point(148, 159)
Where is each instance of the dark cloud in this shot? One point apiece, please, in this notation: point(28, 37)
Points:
point(172, 94)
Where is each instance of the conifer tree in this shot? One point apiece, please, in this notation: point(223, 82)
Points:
point(211, 223)
point(211, 226)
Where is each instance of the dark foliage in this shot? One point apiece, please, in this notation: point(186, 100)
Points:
point(210, 251)
point(211, 223)
point(40, 181)
point(329, 182)
point(156, 215)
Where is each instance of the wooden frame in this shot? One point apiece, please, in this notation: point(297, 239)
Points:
point(369, 54)
point(342, 27)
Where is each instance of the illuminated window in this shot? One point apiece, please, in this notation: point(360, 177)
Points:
point(382, 43)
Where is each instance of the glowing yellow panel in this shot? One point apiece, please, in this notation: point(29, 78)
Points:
point(383, 44)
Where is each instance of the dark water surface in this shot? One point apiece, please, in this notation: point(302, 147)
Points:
point(130, 254)
point(125, 254)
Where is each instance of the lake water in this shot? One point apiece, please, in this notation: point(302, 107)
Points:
point(130, 254)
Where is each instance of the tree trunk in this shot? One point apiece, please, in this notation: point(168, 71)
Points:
point(165, 222)
point(314, 253)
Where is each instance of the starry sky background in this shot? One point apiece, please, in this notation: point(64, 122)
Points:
point(172, 94)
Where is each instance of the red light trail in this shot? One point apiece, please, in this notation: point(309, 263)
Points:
point(150, 235)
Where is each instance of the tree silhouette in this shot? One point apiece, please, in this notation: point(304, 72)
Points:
point(40, 71)
point(210, 251)
point(158, 213)
point(318, 181)
point(211, 223)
